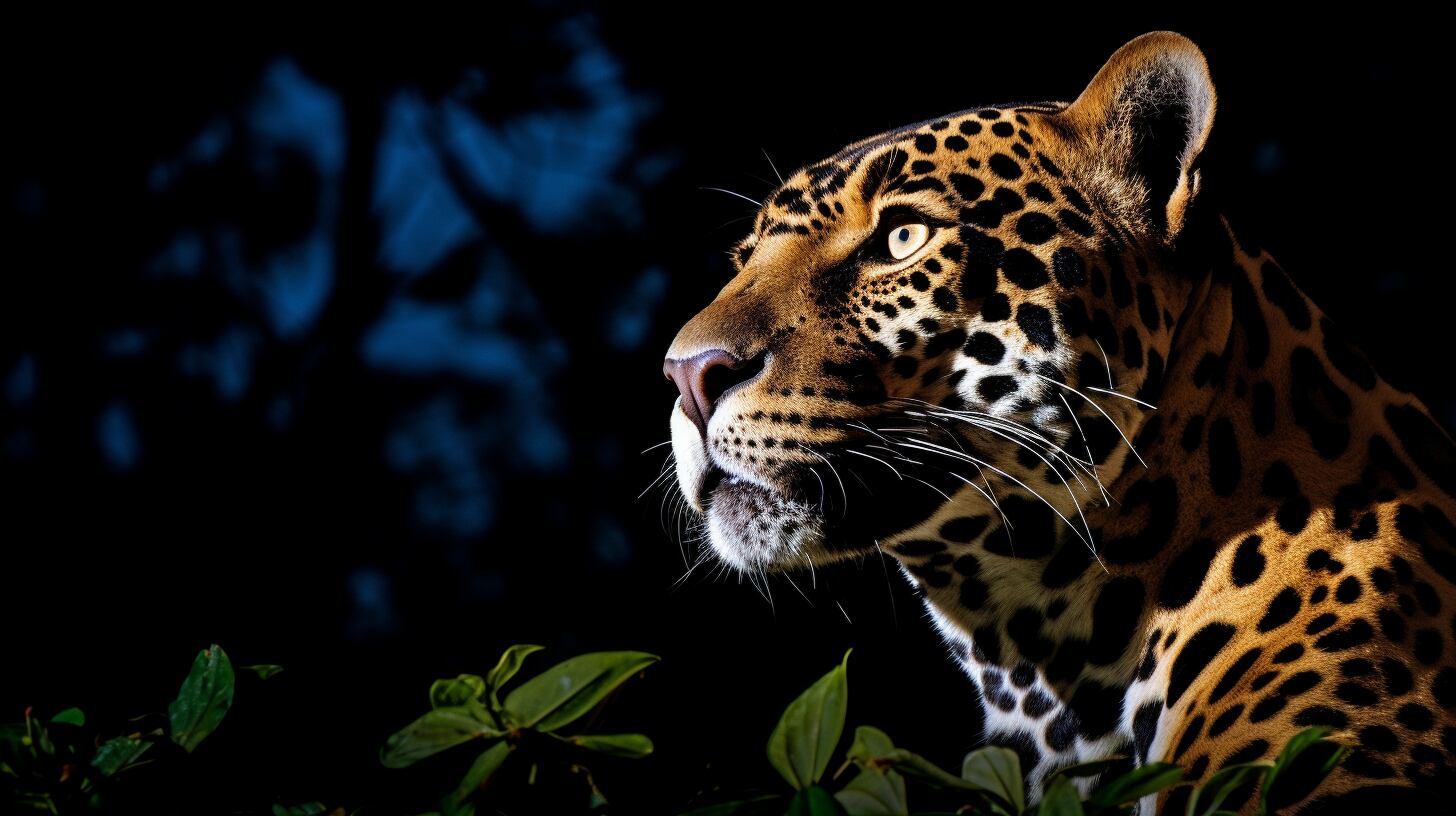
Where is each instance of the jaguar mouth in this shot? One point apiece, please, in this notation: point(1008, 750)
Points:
point(749, 525)
point(808, 513)
point(712, 480)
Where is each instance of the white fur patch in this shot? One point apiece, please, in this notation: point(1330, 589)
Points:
point(690, 454)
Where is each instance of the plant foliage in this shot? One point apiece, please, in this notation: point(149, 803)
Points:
point(522, 732)
point(514, 727)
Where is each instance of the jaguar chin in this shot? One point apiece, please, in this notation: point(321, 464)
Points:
point(1155, 502)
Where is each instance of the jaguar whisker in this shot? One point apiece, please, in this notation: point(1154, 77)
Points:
point(1120, 431)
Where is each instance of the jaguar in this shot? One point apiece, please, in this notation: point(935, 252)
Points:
point(1154, 500)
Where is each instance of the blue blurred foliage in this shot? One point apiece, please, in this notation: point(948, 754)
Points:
point(372, 613)
point(290, 115)
point(116, 434)
point(20, 383)
point(395, 266)
point(559, 167)
point(227, 361)
point(422, 217)
point(631, 316)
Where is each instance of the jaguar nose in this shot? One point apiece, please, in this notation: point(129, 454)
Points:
point(703, 379)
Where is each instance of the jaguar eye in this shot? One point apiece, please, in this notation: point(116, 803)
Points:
point(906, 239)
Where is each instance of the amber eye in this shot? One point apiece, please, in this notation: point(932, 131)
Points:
point(906, 239)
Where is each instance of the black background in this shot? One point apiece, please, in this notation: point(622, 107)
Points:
point(267, 384)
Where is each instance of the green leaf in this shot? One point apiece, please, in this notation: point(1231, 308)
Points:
point(877, 789)
point(632, 746)
point(757, 806)
point(914, 765)
point(116, 754)
point(71, 716)
point(1084, 770)
point(1208, 798)
point(467, 688)
point(481, 771)
point(874, 793)
point(1060, 799)
point(1315, 756)
point(307, 809)
point(814, 801)
point(434, 732)
point(804, 739)
point(506, 668)
point(204, 699)
point(870, 744)
point(571, 688)
point(1298, 744)
point(874, 751)
point(264, 671)
point(997, 770)
point(1136, 783)
point(36, 739)
point(14, 739)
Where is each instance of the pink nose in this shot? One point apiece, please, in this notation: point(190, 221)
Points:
point(703, 378)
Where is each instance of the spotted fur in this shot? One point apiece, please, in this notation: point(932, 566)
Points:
point(1268, 548)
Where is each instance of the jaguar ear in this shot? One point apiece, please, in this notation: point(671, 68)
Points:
point(1146, 117)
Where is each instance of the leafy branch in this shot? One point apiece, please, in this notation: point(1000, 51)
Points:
point(524, 726)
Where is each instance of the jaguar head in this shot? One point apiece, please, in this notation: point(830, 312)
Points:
point(944, 327)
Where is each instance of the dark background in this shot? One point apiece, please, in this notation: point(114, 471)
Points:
point(340, 347)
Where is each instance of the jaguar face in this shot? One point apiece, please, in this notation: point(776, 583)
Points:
point(944, 324)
